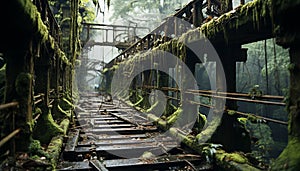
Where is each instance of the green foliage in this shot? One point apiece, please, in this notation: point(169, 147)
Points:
point(253, 71)
point(262, 143)
point(144, 13)
point(35, 149)
point(87, 11)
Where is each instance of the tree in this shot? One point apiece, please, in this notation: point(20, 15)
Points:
point(147, 13)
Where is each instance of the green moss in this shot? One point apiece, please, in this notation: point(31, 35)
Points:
point(236, 157)
point(54, 149)
point(153, 107)
point(189, 141)
point(22, 84)
point(63, 57)
point(37, 111)
point(153, 118)
point(105, 70)
point(200, 122)
point(231, 112)
point(255, 12)
point(35, 149)
point(64, 124)
point(32, 18)
point(139, 101)
point(170, 108)
point(34, 146)
point(252, 118)
point(242, 120)
point(289, 159)
point(65, 104)
point(207, 133)
point(64, 113)
point(172, 118)
point(46, 122)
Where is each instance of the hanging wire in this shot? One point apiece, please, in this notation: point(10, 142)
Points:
point(266, 66)
point(277, 80)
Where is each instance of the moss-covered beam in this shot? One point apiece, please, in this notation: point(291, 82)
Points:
point(247, 23)
point(214, 153)
point(55, 146)
point(22, 14)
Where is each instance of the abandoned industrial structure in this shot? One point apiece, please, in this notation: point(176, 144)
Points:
point(146, 114)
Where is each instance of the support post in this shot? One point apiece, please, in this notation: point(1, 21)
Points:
point(227, 133)
point(197, 13)
point(289, 159)
point(19, 86)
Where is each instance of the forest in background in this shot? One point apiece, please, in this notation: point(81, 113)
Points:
point(266, 71)
point(268, 139)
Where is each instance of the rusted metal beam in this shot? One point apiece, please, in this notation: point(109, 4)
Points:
point(9, 105)
point(9, 137)
point(97, 165)
point(153, 163)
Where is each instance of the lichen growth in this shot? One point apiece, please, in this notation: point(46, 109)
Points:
point(46, 122)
